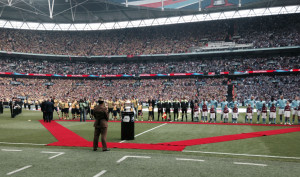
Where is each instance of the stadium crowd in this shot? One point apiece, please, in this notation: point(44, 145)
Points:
point(149, 67)
point(267, 87)
point(35, 89)
point(271, 31)
point(260, 92)
point(259, 86)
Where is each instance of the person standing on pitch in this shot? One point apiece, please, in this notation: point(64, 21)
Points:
point(272, 115)
point(192, 105)
point(287, 113)
point(1, 106)
point(214, 102)
point(176, 106)
point(226, 114)
point(235, 113)
point(281, 103)
point(152, 101)
point(252, 102)
point(43, 108)
point(223, 104)
point(259, 105)
point(184, 106)
point(271, 104)
point(160, 105)
point(196, 111)
point(264, 111)
point(212, 114)
point(49, 107)
point(101, 116)
point(294, 106)
point(168, 105)
point(232, 106)
point(249, 113)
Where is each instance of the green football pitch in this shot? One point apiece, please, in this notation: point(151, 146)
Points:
point(23, 151)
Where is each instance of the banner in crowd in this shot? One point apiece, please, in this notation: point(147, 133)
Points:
point(148, 75)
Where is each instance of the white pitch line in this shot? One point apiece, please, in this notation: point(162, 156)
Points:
point(24, 143)
point(146, 131)
point(10, 173)
point(125, 157)
point(248, 155)
point(11, 150)
point(196, 160)
point(57, 154)
point(101, 173)
point(254, 164)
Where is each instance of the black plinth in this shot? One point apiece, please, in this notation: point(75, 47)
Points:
point(127, 126)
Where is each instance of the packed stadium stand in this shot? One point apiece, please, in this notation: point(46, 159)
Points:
point(259, 55)
point(260, 32)
point(170, 87)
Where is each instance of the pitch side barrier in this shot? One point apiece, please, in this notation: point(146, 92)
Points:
point(152, 75)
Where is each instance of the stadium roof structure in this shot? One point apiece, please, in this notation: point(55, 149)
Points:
point(79, 15)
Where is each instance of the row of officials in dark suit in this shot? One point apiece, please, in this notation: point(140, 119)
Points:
point(176, 104)
point(47, 107)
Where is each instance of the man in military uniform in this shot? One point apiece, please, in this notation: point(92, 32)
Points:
point(160, 104)
point(101, 116)
point(184, 106)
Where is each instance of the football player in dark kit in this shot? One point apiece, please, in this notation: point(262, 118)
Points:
point(152, 101)
point(160, 104)
point(184, 106)
point(176, 106)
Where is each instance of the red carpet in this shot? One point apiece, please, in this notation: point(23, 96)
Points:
point(162, 122)
point(223, 138)
point(66, 137)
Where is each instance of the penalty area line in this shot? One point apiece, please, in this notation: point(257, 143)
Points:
point(146, 131)
point(125, 157)
point(57, 154)
point(10, 173)
point(101, 173)
point(195, 160)
point(33, 144)
point(11, 150)
point(247, 155)
point(253, 164)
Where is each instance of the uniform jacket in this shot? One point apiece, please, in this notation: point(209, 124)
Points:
point(101, 116)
